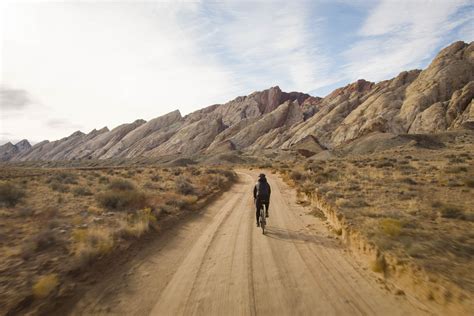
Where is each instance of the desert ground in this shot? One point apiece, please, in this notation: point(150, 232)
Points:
point(221, 264)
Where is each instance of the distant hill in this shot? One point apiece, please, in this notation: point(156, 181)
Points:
point(436, 99)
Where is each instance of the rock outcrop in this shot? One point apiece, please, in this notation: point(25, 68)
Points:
point(436, 99)
point(8, 150)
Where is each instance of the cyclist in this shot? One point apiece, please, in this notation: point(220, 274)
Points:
point(261, 195)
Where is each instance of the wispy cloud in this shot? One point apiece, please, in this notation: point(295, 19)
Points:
point(264, 43)
point(13, 99)
point(400, 35)
point(62, 124)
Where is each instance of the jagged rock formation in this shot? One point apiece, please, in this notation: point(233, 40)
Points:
point(436, 99)
point(8, 150)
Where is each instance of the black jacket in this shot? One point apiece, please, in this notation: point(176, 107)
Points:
point(261, 182)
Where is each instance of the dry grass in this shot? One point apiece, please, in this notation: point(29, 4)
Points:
point(58, 220)
point(45, 285)
point(10, 194)
point(417, 204)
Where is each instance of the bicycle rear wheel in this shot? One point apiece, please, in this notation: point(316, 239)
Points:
point(263, 219)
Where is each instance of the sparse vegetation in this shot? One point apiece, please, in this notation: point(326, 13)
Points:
point(10, 194)
point(62, 220)
point(414, 204)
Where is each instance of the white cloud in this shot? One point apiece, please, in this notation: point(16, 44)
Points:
point(401, 35)
point(277, 44)
point(97, 64)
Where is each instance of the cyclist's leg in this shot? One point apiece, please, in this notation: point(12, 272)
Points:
point(258, 205)
point(267, 206)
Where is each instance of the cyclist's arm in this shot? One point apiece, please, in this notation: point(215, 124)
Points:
point(254, 192)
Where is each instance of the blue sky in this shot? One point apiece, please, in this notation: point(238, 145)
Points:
point(70, 65)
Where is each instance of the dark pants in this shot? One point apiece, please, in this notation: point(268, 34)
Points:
point(259, 204)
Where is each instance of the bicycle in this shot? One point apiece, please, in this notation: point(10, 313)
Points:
point(262, 219)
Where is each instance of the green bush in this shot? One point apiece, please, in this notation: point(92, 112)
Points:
point(10, 195)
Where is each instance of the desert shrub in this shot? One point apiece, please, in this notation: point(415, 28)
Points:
point(195, 171)
point(308, 187)
point(469, 183)
point(456, 169)
point(390, 226)
point(59, 187)
point(229, 174)
point(384, 164)
point(91, 243)
point(10, 195)
point(217, 181)
point(329, 175)
point(137, 226)
point(351, 203)
point(183, 186)
point(122, 195)
point(120, 199)
point(155, 178)
point(103, 180)
point(121, 185)
point(45, 285)
point(44, 240)
point(296, 175)
point(409, 181)
point(25, 212)
point(179, 201)
point(81, 191)
point(64, 178)
point(457, 160)
point(450, 211)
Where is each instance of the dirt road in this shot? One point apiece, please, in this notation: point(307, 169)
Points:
point(219, 263)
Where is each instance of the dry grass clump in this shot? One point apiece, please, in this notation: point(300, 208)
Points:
point(137, 225)
point(45, 285)
point(10, 194)
point(91, 243)
point(390, 226)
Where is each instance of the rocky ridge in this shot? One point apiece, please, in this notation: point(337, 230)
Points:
point(436, 99)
